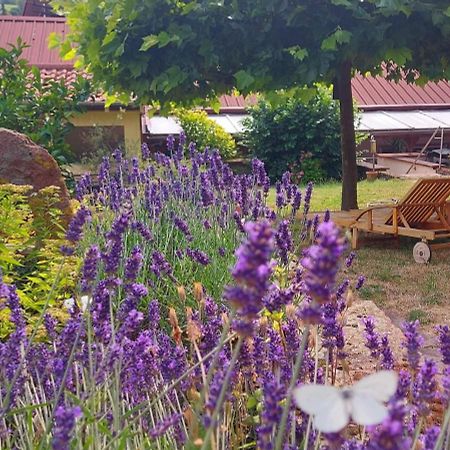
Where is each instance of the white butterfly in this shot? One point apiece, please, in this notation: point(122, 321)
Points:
point(85, 301)
point(332, 407)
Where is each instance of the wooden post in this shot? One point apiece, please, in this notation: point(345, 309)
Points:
point(370, 220)
point(395, 220)
point(355, 238)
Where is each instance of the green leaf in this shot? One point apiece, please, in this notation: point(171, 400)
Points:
point(215, 105)
point(70, 54)
point(243, 79)
point(54, 40)
point(338, 37)
point(120, 49)
point(298, 52)
point(399, 55)
point(447, 12)
point(341, 2)
point(149, 42)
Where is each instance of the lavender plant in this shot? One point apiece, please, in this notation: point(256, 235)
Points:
point(202, 313)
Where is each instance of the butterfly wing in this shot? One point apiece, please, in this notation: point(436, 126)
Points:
point(332, 418)
point(311, 398)
point(366, 410)
point(325, 404)
point(380, 386)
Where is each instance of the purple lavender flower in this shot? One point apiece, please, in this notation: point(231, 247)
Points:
point(161, 428)
point(308, 194)
point(425, 387)
point(330, 328)
point(65, 418)
point(340, 291)
point(251, 272)
point(327, 216)
point(142, 230)
point(170, 143)
point(130, 324)
point(430, 437)
point(145, 152)
point(372, 337)
point(50, 326)
point(198, 256)
point(81, 217)
point(391, 433)
point(279, 198)
point(133, 264)
point(90, 265)
point(222, 251)
point(350, 258)
point(273, 394)
point(321, 262)
point(444, 343)
point(413, 343)
point(284, 242)
point(387, 357)
point(404, 385)
point(360, 282)
point(160, 265)
point(206, 192)
point(296, 201)
point(182, 225)
point(153, 315)
point(276, 298)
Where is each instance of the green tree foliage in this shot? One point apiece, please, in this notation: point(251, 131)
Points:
point(38, 107)
point(297, 135)
point(192, 50)
point(11, 7)
point(199, 128)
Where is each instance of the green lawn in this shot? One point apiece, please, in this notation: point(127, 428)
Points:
point(403, 289)
point(328, 195)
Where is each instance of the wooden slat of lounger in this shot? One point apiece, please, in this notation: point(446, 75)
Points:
point(437, 196)
point(430, 192)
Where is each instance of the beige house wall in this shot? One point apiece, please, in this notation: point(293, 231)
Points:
point(130, 120)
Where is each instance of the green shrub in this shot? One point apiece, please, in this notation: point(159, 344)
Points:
point(303, 136)
point(205, 132)
point(35, 106)
point(30, 256)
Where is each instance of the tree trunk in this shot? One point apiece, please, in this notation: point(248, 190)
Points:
point(348, 143)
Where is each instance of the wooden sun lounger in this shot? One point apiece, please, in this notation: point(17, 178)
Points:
point(423, 213)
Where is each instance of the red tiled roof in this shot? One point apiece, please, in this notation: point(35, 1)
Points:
point(35, 31)
point(229, 102)
point(378, 93)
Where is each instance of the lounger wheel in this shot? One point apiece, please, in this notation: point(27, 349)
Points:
point(422, 253)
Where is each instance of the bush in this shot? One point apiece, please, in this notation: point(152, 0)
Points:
point(297, 135)
point(199, 128)
point(30, 240)
point(38, 107)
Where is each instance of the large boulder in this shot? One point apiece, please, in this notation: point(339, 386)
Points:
point(25, 163)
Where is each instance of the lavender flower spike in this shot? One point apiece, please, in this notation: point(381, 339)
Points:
point(321, 262)
point(251, 272)
point(64, 423)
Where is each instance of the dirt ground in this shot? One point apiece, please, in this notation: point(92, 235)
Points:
point(403, 289)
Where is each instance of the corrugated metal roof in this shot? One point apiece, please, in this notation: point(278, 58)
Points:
point(428, 120)
point(379, 93)
point(35, 31)
point(158, 125)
